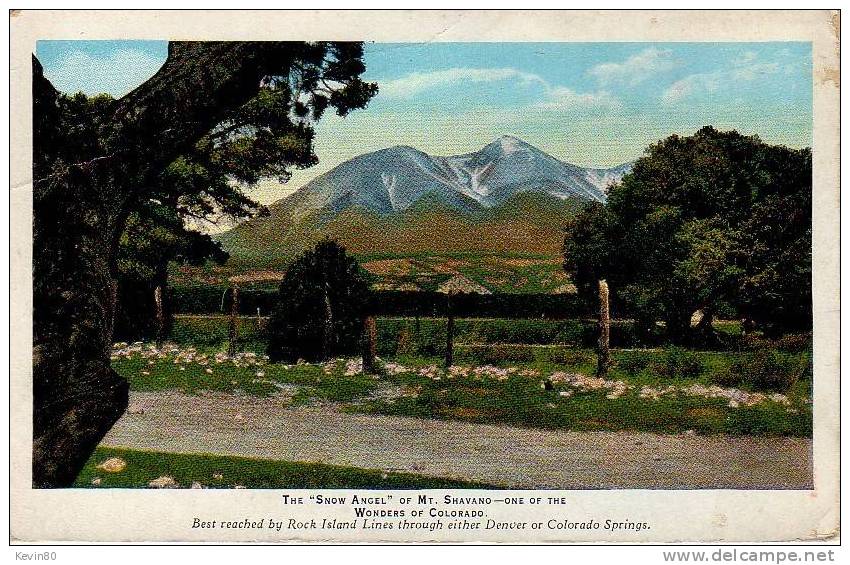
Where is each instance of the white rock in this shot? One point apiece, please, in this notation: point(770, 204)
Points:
point(163, 482)
point(113, 465)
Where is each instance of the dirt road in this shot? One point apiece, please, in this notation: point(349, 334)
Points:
point(516, 457)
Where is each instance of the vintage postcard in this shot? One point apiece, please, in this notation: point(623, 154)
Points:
point(432, 276)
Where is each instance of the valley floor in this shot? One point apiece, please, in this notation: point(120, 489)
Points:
point(272, 428)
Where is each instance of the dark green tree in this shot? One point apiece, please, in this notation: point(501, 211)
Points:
point(155, 236)
point(701, 221)
point(320, 306)
point(245, 108)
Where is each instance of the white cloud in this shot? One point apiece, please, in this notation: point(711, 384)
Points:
point(745, 58)
point(636, 68)
point(754, 71)
point(551, 97)
point(563, 98)
point(692, 85)
point(414, 83)
point(744, 69)
point(116, 74)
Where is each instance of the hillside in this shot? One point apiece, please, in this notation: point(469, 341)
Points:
point(507, 198)
point(526, 224)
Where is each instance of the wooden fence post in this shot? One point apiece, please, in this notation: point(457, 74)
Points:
point(160, 317)
point(328, 328)
point(370, 334)
point(233, 330)
point(603, 353)
point(450, 330)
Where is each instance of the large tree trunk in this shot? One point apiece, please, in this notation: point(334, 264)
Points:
point(76, 395)
point(79, 212)
point(703, 333)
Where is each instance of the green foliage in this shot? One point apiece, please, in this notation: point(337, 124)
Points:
point(795, 343)
point(265, 137)
point(320, 306)
point(95, 161)
point(519, 400)
point(703, 222)
point(587, 252)
point(495, 354)
point(154, 236)
point(632, 363)
point(767, 370)
point(218, 471)
point(679, 363)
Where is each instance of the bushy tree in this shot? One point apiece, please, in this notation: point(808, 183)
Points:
point(154, 236)
point(702, 221)
point(240, 110)
point(320, 306)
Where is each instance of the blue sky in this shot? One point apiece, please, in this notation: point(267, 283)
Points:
point(596, 104)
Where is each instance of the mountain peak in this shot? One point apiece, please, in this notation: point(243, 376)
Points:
point(396, 149)
point(507, 144)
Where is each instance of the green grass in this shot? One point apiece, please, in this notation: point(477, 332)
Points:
point(214, 471)
point(496, 271)
point(520, 401)
point(309, 382)
point(516, 401)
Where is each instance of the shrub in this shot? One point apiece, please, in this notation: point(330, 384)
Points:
point(407, 344)
point(498, 354)
point(795, 343)
point(679, 363)
point(792, 343)
point(319, 308)
point(570, 357)
point(767, 370)
point(632, 362)
point(727, 377)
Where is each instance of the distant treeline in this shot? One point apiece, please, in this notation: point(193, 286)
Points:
point(212, 300)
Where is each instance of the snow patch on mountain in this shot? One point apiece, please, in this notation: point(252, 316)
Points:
point(393, 179)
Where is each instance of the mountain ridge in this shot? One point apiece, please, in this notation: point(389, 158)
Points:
point(507, 190)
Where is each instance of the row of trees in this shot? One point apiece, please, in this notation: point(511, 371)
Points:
point(711, 222)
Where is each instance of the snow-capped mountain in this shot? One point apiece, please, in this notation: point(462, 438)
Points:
point(508, 196)
point(393, 179)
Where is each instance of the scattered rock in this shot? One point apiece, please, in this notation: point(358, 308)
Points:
point(96, 481)
point(113, 465)
point(196, 484)
point(163, 482)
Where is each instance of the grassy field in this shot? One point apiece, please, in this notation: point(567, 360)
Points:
point(666, 390)
point(213, 471)
point(506, 272)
